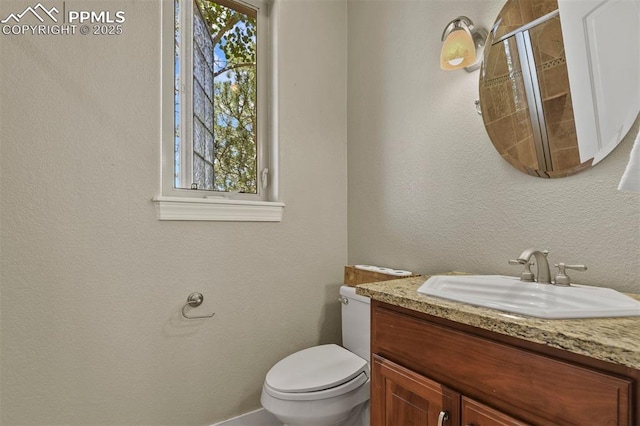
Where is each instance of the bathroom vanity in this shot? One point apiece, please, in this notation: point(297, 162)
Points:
point(436, 361)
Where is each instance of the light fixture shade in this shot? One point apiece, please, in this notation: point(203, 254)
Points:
point(461, 41)
point(458, 50)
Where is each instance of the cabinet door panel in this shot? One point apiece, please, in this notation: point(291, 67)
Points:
point(476, 414)
point(400, 397)
point(404, 407)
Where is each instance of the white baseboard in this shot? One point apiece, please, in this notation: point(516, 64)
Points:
point(260, 417)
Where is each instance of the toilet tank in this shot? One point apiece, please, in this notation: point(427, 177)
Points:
point(356, 319)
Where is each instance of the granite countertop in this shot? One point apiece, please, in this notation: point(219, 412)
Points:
point(615, 340)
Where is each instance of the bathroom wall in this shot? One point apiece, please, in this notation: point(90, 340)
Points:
point(427, 190)
point(92, 283)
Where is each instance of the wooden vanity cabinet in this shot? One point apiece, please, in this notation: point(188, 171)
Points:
point(430, 371)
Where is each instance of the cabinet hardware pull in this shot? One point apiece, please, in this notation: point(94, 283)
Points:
point(442, 417)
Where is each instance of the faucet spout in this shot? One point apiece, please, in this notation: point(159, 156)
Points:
point(543, 275)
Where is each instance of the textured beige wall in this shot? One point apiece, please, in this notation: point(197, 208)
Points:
point(92, 283)
point(427, 190)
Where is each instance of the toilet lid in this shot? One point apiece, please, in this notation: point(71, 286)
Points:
point(314, 369)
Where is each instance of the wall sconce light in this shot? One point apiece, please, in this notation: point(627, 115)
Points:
point(462, 44)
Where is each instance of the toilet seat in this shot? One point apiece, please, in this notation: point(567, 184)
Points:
point(319, 372)
point(342, 389)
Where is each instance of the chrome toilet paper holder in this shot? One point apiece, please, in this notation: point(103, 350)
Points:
point(194, 300)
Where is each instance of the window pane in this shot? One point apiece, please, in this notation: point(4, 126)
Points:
point(176, 94)
point(233, 35)
point(223, 97)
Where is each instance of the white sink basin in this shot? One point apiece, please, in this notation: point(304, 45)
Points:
point(509, 294)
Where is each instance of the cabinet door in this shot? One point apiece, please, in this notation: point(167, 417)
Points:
point(476, 414)
point(401, 397)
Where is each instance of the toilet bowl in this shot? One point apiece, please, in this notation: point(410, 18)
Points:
point(319, 386)
point(325, 385)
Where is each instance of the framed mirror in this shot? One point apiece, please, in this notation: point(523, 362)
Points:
point(559, 85)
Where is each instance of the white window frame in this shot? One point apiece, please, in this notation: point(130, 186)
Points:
point(186, 204)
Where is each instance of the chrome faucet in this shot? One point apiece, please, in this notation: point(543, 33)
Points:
point(543, 275)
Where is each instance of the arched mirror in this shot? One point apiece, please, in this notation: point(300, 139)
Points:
point(559, 84)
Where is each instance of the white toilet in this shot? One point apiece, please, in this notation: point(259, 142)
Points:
point(326, 385)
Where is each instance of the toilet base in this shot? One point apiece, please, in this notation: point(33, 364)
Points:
point(359, 416)
point(323, 412)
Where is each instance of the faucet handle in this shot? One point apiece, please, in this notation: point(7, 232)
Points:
point(562, 278)
point(526, 275)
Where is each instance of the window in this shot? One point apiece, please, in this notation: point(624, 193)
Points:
point(219, 141)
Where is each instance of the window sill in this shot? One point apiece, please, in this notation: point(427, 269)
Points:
point(179, 208)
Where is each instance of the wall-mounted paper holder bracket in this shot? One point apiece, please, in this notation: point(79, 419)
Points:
point(195, 299)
